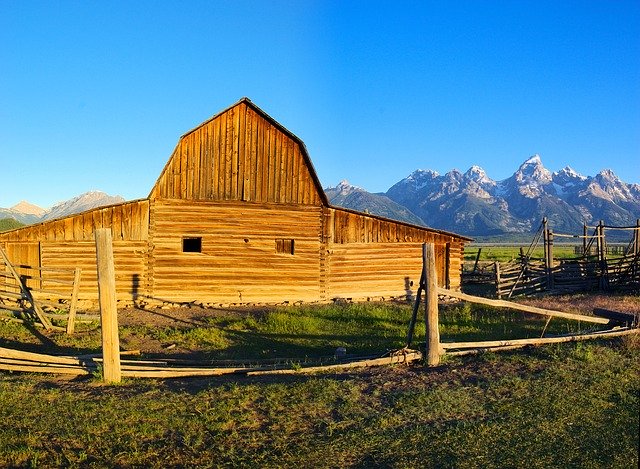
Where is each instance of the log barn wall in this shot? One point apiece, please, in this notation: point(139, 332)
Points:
point(238, 215)
point(68, 243)
point(239, 260)
point(373, 257)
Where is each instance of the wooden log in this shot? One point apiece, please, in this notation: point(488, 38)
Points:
point(38, 357)
point(44, 369)
point(108, 306)
point(618, 317)
point(520, 307)
point(536, 341)
point(431, 305)
point(393, 359)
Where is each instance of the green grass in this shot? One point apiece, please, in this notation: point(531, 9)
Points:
point(562, 406)
point(503, 253)
point(506, 253)
point(304, 332)
point(569, 405)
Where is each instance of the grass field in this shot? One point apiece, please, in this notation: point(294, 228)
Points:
point(502, 253)
point(572, 405)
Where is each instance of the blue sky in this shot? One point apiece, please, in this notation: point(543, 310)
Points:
point(94, 95)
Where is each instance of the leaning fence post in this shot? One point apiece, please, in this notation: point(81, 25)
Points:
point(431, 305)
point(74, 301)
point(108, 306)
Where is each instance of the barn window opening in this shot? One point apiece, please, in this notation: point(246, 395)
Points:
point(191, 244)
point(285, 246)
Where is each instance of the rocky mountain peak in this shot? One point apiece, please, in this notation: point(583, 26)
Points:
point(344, 187)
point(533, 171)
point(81, 203)
point(479, 176)
point(568, 173)
point(27, 208)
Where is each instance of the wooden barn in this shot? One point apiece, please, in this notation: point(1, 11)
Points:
point(238, 215)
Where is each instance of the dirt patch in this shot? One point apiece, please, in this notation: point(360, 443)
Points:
point(585, 302)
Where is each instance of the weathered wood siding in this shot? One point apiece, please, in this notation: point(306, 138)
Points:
point(128, 221)
point(238, 262)
point(373, 257)
point(129, 259)
point(68, 243)
point(242, 155)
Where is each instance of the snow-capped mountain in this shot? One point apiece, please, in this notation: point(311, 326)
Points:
point(27, 213)
point(472, 203)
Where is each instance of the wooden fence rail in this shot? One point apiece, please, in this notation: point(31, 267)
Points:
point(526, 275)
point(56, 288)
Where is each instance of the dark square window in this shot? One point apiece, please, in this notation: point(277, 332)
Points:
point(191, 244)
point(285, 246)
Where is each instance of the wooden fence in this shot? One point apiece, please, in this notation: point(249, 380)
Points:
point(589, 271)
point(26, 289)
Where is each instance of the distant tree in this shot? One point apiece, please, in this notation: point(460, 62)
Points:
point(7, 224)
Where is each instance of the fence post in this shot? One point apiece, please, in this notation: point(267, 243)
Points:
point(636, 235)
point(431, 305)
point(602, 257)
point(74, 301)
point(584, 240)
point(550, 283)
point(498, 290)
point(108, 306)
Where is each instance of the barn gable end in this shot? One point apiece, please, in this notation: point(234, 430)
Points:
point(240, 154)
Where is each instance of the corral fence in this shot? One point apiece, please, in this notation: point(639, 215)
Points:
point(596, 264)
point(33, 290)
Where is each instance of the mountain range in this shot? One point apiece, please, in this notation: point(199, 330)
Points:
point(27, 213)
point(473, 204)
point(469, 203)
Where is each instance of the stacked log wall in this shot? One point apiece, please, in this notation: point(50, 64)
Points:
point(239, 260)
point(371, 257)
point(68, 243)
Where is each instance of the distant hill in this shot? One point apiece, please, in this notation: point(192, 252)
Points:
point(353, 197)
point(26, 213)
point(9, 224)
point(473, 204)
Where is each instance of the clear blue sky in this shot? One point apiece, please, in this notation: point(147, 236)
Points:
point(94, 95)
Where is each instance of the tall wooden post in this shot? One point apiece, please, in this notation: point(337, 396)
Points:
point(544, 240)
point(602, 257)
point(636, 248)
point(431, 305)
point(108, 306)
point(74, 301)
point(584, 240)
point(550, 283)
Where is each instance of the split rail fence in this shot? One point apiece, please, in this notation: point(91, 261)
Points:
point(24, 290)
point(597, 266)
point(114, 368)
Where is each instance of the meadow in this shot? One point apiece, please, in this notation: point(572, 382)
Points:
point(571, 405)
